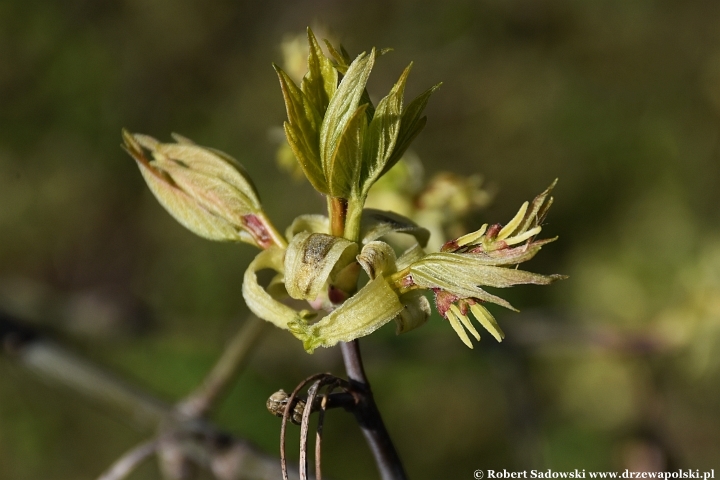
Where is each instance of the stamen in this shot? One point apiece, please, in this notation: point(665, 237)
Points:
point(520, 238)
point(471, 237)
point(514, 223)
point(455, 324)
point(465, 321)
point(487, 321)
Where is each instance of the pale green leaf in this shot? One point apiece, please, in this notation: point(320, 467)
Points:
point(307, 159)
point(363, 313)
point(311, 223)
point(258, 300)
point(303, 135)
point(343, 106)
point(410, 126)
point(383, 133)
point(416, 311)
point(230, 169)
point(184, 208)
point(446, 277)
point(310, 259)
point(321, 80)
point(212, 163)
point(342, 170)
point(377, 258)
point(212, 194)
point(470, 271)
point(463, 275)
point(508, 256)
point(377, 223)
point(342, 57)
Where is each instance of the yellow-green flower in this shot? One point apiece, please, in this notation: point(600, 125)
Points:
point(485, 258)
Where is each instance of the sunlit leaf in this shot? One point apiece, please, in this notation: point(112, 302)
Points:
point(383, 133)
point(309, 261)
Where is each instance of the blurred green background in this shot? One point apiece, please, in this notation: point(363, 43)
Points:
point(617, 367)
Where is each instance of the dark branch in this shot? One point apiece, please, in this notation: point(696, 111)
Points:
point(368, 416)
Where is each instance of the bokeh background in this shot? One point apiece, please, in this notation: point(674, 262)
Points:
point(617, 367)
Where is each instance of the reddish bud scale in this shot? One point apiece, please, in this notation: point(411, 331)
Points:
point(258, 230)
point(443, 300)
point(449, 246)
point(493, 231)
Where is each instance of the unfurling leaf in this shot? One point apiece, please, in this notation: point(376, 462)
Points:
point(302, 130)
point(484, 258)
point(342, 110)
point(310, 260)
point(343, 169)
point(363, 313)
point(382, 134)
point(410, 126)
point(258, 300)
point(207, 191)
point(377, 223)
point(320, 81)
point(415, 312)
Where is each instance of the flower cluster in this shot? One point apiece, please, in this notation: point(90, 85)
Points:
point(343, 144)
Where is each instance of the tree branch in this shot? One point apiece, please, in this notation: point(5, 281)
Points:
point(368, 416)
point(228, 457)
point(233, 360)
point(124, 465)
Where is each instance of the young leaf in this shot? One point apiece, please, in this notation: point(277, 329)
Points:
point(321, 80)
point(208, 192)
point(410, 126)
point(383, 133)
point(363, 313)
point(342, 170)
point(258, 300)
point(342, 57)
point(307, 158)
point(302, 129)
point(343, 107)
point(539, 207)
point(309, 261)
